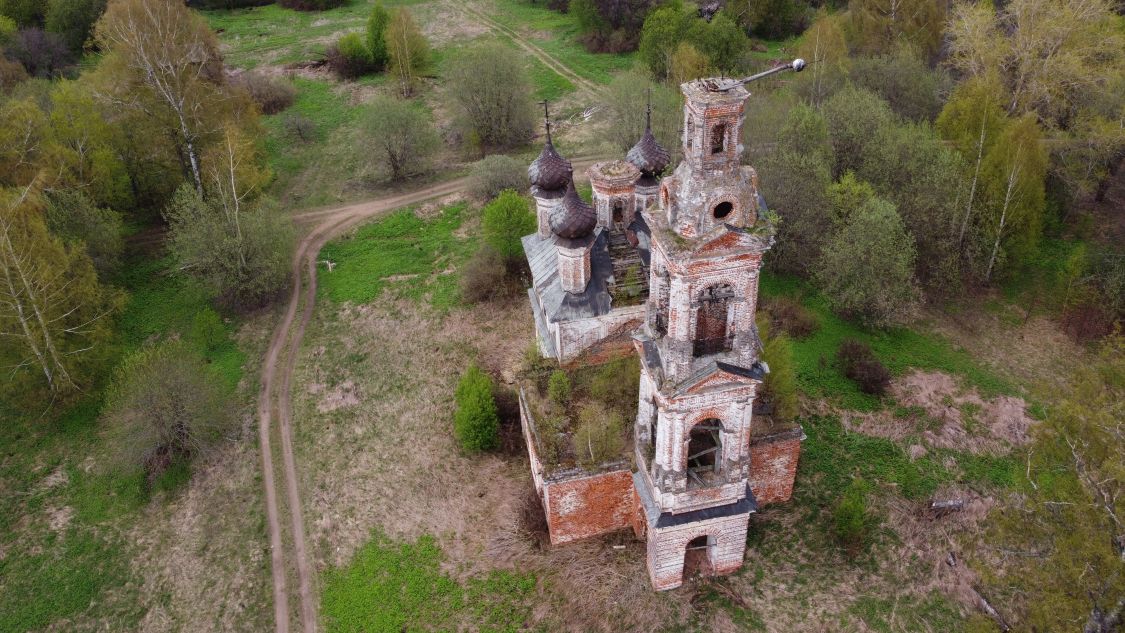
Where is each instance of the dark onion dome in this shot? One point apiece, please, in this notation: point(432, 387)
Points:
point(647, 155)
point(573, 219)
point(550, 171)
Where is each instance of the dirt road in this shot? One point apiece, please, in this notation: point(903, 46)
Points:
point(274, 401)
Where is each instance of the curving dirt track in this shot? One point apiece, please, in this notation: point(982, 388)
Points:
point(540, 54)
point(274, 399)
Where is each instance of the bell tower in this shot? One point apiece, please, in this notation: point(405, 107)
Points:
point(699, 347)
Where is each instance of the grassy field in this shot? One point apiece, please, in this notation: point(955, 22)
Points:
point(410, 256)
point(898, 348)
point(371, 386)
point(334, 163)
point(70, 517)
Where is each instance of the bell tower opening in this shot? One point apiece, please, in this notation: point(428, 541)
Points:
point(719, 138)
point(705, 452)
point(618, 214)
point(711, 331)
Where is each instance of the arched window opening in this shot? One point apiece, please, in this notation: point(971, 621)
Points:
point(618, 214)
point(705, 452)
point(722, 209)
point(719, 138)
point(711, 335)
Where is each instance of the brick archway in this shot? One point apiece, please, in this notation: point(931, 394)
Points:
point(703, 459)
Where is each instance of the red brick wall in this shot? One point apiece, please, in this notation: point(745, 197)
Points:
point(588, 506)
point(773, 466)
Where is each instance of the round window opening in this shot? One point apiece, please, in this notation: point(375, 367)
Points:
point(723, 209)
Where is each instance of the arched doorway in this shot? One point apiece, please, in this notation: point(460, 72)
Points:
point(697, 557)
point(618, 215)
point(711, 336)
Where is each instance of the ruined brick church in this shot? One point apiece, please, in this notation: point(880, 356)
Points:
point(665, 267)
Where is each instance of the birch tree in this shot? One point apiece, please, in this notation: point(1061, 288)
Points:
point(53, 313)
point(972, 120)
point(407, 50)
point(164, 61)
point(1014, 174)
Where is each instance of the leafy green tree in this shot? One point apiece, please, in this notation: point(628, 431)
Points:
point(825, 48)
point(54, 316)
point(855, 118)
point(779, 388)
point(1014, 174)
point(720, 40)
point(476, 423)
point(8, 29)
point(163, 62)
point(23, 133)
point(879, 25)
point(377, 35)
point(350, 57)
point(972, 120)
point(1065, 522)
point(165, 406)
point(408, 52)
point(402, 136)
point(492, 92)
point(504, 221)
point(773, 19)
point(686, 64)
point(909, 165)
point(25, 13)
point(846, 195)
point(794, 178)
point(242, 253)
point(75, 219)
point(558, 388)
point(912, 89)
point(73, 20)
point(866, 269)
point(1062, 61)
point(82, 147)
point(626, 98)
point(493, 174)
point(663, 30)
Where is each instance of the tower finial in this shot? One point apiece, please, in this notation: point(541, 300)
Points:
point(546, 119)
point(648, 108)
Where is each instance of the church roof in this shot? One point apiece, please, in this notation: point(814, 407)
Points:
point(573, 219)
point(550, 171)
point(647, 155)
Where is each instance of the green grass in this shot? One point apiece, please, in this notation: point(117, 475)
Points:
point(910, 613)
point(899, 349)
point(390, 586)
point(414, 258)
point(557, 34)
point(833, 457)
point(46, 575)
point(275, 35)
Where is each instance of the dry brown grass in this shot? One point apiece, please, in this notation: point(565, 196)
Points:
point(954, 416)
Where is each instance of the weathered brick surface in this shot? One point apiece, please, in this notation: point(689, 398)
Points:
point(773, 467)
point(582, 507)
point(667, 547)
point(579, 505)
